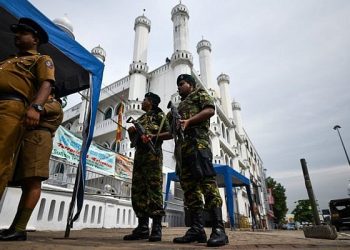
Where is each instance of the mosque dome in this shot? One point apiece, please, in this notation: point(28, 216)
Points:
point(99, 52)
point(65, 24)
point(180, 9)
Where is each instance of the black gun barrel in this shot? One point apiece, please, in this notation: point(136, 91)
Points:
point(141, 131)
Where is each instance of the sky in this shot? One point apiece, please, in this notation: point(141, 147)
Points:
point(289, 68)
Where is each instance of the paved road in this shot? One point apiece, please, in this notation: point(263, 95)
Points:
point(112, 239)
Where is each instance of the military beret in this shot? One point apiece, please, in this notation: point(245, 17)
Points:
point(27, 24)
point(187, 78)
point(155, 98)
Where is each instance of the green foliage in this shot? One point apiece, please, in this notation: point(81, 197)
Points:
point(303, 211)
point(279, 194)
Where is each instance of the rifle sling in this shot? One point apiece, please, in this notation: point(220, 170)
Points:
point(160, 128)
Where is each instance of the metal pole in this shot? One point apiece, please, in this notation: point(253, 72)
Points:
point(337, 127)
point(310, 192)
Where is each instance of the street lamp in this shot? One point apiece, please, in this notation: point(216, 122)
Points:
point(337, 127)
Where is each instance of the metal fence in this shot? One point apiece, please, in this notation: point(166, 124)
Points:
point(62, 174)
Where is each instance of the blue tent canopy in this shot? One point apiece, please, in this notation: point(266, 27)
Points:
point(76, 68)
point(226, 177)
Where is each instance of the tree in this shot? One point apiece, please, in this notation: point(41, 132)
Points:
point(279, 194)
point(303, 211)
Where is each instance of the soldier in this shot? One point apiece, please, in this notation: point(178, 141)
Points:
point(147, 178)
point(196, 173)
point(33, 167)
point(25, 84)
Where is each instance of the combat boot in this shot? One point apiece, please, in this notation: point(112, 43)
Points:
point(141, 231)
point(195, 232)
point(218, 236)
point(156, 234)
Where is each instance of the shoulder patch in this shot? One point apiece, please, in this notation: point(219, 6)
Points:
point(49, 64)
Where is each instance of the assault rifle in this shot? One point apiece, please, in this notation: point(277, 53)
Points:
point(175, 126)
point(140, 131)
point(178, 134)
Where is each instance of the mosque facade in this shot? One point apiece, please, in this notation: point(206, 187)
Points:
point(230, 143)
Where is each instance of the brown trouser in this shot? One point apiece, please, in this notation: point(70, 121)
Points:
point(11, 130)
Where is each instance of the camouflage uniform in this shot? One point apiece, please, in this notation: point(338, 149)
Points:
point(197, 139)
point(147, 179)
point(196, 171)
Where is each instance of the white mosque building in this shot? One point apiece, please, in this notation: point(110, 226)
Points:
point(229, 141)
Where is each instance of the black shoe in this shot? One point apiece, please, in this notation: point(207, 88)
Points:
point(218, 238)
point(141, 232)
point(13, 236)
point(156, 234)
point(138, 234)
point(192, 235)
point(4, 231)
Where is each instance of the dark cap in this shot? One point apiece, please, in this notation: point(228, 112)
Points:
point(27, 24)
point(187, 78)
point(155, 98)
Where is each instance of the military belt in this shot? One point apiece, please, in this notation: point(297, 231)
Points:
point(15, 97)
point(41, 128)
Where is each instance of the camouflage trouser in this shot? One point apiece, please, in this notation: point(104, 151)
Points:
point(194, 188)
point(147, 185)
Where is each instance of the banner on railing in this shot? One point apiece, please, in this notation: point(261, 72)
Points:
point(123, 168)
point(67, 146)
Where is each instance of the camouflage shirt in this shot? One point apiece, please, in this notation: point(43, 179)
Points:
point(151, 122)
point(191, 105)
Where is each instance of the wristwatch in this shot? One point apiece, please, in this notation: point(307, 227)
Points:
point(38, 107)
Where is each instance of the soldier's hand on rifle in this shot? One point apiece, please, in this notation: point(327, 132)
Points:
point(145, 138)
point(184, 124)
point(132, 129)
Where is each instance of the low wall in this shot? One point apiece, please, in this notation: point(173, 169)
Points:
point(98, 211)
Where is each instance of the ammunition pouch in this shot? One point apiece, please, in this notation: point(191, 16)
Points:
point(201, 163)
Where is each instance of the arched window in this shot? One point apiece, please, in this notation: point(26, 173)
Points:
point(108, 113)
point(59, 168)
point(231, 163)
point(223, 131)
point(227, 135)
point(68, 126)
point(113, 146)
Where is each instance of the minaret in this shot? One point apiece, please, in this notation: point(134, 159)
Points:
point(204, 52)
point(237, 118)
point(100, 54)
point(223, 82)
point(182, 59)
point(138, 68)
